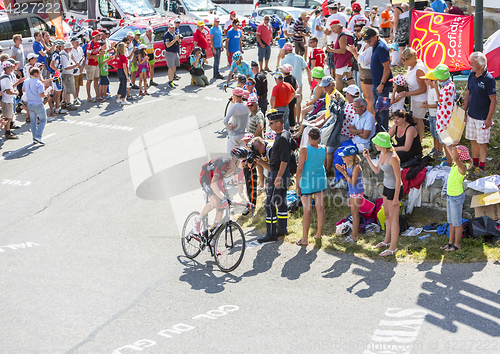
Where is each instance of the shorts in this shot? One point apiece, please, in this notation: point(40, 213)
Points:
point(389, 193)
point(358, 195)
point(385, 32)
point(78, 80)
point(310, 194)
point(68, 84)
point(104, 80)
point(365, 75)
point(8, 110)
point(454, 206)
point(92, 72)
point(206, 181)
point(474, 131)
point(151, 57)
point(133, 66)
point(432, 126)
point(343, 70)
point(172, 59)
point(417, 110)
point(263, 53)
point(57, 84)
point(330, 60)
point(300, 49)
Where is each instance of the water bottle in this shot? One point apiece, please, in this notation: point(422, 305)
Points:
point(421, 238)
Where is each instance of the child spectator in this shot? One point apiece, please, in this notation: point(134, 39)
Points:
point(394, 54)
point(456, 195)
point(446, 101)
point(431, 105)
point(103, 71)
point(354, 176)
point(142, 70)
point(399, 85)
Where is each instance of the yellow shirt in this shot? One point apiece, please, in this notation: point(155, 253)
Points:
point(328, 99)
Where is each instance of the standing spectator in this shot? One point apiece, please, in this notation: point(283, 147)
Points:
point(236, 120)
point(105, 38)
point(317, 55)
point(285, 32)
point(363, 125)
point(388, 162)
point(343, 57)
point(276, 222)
point(431, 104)
point(77, 55)
point(438, 6)
point(401, 27)
point(331, 36)
point(264, 42)
point(198, 76)
point(148, 38)
point(217, 48)
point(142, 70)
point(480, 105)
point(256, 118)
point(38, 48)
point(54, 67)
point(298, 65)
point(35, 94)
point(357, 17)
point(417, 89)
point(452, 10)
point(281, 96)
point(199, 38)
point(446, 102)
point(103, 71)
point(380, 69)
point(17, 53)
point(234, 37)
point(286, 69)
point(312, 180)
point(122, 63)
point(133, 63)
point(375, 20)
point(68, 80)
point(318, 30)
point(229, 23)
point(385, 25)
point(299, 33)
point(92, 68)
point(8, 84)
point(172, 42)
point(260, 86)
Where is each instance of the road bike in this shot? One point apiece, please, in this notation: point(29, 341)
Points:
point(229, 237)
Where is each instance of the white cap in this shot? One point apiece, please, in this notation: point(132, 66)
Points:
point(353, 90)
point(130, 33)
point(68, 45)
point(31, 56)
point(141, 46)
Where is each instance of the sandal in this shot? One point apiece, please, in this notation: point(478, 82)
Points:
point(381, 244)
point(300, 243)
point(445, 247)
point(388, 253)
point(452, 248)
point(28, 120)
point(349, 239)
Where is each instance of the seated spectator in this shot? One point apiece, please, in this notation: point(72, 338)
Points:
point(197, 72)
point(363, 125)
point(407, 140)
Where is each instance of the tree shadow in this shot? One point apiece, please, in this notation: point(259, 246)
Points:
point(299, 264)
point(202, 276)
point(376, 275)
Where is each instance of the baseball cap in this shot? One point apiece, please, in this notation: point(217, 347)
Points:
point(31, 56)
point(201, 23)
point(104, 30)
point(356, 6)
point(463, 153)
point(177, 20)
point(67, 45)
point(248, 136)
point(149, 29)
point(141, 46)
point(216, 19)
point(238, 91)
point(95, 33)
point(370, 33)
point(58, 42)
point(288, 46)
point(136, 32)
point(325, 81)
point(278, 75)
point(349, 150)
point(254, 63)
point(242, 78)
point(232, 13)
point(353, 90)
point(171, 24)
point(286, 68)
point(335, 22)
point(429, 75)
point(130, 33)
point(251, 101)
point(13, 61)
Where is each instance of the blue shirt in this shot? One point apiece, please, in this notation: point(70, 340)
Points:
point(167, 38)
point(438, 6)
point(243, 69)
point(217, 33)
point(480, 89)
point(33, 87)
point(380, 55)
point(298, 64)
point(37, 47)
point(233, 38)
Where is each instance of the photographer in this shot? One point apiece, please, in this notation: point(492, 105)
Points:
point(197, 59)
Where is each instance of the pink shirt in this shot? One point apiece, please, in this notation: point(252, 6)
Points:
point(266, 33)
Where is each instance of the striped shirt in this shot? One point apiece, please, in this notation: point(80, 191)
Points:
point(298, 28)
point(253, 120)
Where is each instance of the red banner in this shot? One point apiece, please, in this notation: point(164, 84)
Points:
point(442, 39)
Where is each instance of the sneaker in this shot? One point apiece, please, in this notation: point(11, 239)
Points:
point(126, 102)
point(118, 101)
point(64, 105)
point(171, 84)
point(10, 135)
point(250, 207)
point(196, 226)
point(146, 93)
point(192, 82)
point(438, 154)
point(13, 126)
point(432, 151)
point(130, 98)
point(39, 141)
point(152, 83)
point(76, 103)
point(62, 111)
point(71, 107)
point(478, 172)
point(176, 77)
point(220, 77)
point(141, 93)
point(135, 87)
point(175, 83)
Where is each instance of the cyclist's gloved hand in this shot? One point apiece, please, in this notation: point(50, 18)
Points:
point(225, 202)
point(224, 87)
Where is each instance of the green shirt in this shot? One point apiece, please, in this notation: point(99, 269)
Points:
point(455, 182)
point(103, 68)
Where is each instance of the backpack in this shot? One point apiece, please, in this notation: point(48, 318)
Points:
point(84, 49)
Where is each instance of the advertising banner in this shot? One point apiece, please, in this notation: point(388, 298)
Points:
point(442, 39)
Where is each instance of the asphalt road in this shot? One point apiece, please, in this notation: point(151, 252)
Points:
point(92, 262)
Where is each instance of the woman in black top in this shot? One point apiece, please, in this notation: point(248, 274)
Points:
point(288, 77)
point(406, 136)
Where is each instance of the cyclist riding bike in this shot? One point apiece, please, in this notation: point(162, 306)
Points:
point(212, 182)
point(238, 66)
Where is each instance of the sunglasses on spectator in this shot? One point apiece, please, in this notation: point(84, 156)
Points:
point(357, 30)
point(249, 83)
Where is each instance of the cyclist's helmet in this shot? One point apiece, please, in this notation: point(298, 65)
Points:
point(239, 153)
point(237, 56)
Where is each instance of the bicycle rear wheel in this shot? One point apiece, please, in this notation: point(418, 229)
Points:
point(191, 243)
point(229, 247)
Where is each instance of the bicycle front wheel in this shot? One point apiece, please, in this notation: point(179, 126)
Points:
point(191, 243)
point(229, 104)
point(229, 247)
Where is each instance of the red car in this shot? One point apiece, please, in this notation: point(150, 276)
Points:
point(159, 26)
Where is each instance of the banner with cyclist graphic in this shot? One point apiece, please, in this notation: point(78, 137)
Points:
point(442, 39)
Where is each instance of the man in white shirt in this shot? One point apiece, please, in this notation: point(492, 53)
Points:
point(77, 56)
point(68, 65)
point(8, 94)
point(357, 18)
point(363, 125)
point(331, 36)
point(318, 30)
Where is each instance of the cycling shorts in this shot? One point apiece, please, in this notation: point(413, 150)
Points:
point(206, 181)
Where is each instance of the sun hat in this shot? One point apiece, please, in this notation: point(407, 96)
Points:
point(288, 46)
point(7, 64)
point(95, 33)
point(326, 81)
point(251, 101)
point(286, 68)
point(141, 46)
point(303, 13)
point(400, 80)
point(248, 136)
point(270, 135)
point(238, 92)
point(317, 72)
point(136, 32)
point(442, 72)
point(31, 56)
point(67, 45)
point(353, 90)
point(394, 46)
point(274, 114)
point(349, 151)
point(429, 75)
point(382, 139)
point(463, 153)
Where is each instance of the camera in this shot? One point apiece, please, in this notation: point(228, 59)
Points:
point(75, 70)
point(181, 37)
point(203, 55)
point(253, 154)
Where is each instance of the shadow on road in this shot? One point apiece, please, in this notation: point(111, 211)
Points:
point(299, 264)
